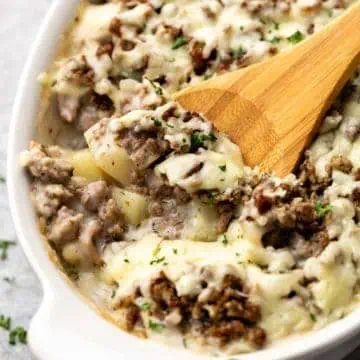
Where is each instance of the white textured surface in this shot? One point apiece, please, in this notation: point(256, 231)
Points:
point(19, 22)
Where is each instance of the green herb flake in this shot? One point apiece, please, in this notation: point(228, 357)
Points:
point(179, 42)
point(239, 53)
point(321, 209)
point(212, 137)
point(170, 126)
point(296, 37)
point(9, 280)
point(155, 326)
point(313, 317)
point(2, 179)
point(242, 28)
point(197, 141)
point(157, 88)
point(127, 261)
point(262, 20)
point(145, 306)
point(157, 122)
point(4, 246)
point(222, 168)
point(211, 196)
point(157, 250)
point(175, 251)
point(225, 240)
point(18, 333)
point(275, 40)
point(113, 293)
point(5, 322)
point(248, 262)
point(208, 76)
point(276, 25)
point(157, 261)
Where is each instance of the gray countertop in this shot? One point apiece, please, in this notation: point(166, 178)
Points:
point(19, 22)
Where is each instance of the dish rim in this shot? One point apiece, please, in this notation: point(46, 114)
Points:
point(57, 292)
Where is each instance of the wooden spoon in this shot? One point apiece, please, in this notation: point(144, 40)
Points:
point(273, 109)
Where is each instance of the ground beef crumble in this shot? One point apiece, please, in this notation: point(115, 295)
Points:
point(226, 314)
point(66, 203)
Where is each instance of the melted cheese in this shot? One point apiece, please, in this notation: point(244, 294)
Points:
point(257, 28)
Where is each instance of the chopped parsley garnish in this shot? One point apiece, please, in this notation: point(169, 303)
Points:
point(2, 179)
point(170, 126)
point(126, 261)
point(212, 137)
point(248, 262)
point(170, 60)
point(9, 280)
point(239, 53)
point(18, 333)
point(222, 168)
point(175, 251)
point(211, 196)
point(156, 326)
point(145, 306)
point(179, 42)
point(157, 261)
point(276, 25)
point(158, 89)
point(5, 322)
point(198, 139)
point(208, 76)
point(313, 317)
point(4, 245)
point(321, 209)
point(225, 240)
point(157, 122)
point(296, 37)
point(157, 250)
point(275, 40)
point(113, 293)
point(242, 28)
point(262, 20)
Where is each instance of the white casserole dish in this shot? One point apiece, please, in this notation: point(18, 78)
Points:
point(65, 327)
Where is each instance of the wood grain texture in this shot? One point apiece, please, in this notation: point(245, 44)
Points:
point(273, 109)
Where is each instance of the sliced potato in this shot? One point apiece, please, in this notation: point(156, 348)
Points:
point(132, 205)
point(108, 155)
point(85, 166)
point(200, 224)
point(116, 162)
point(72, 253)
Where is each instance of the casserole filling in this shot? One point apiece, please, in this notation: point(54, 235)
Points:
point(151, 210)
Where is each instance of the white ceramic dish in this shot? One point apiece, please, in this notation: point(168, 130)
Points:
point(65, 327)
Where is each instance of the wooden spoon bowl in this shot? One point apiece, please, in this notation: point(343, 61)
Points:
point(273, 109)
